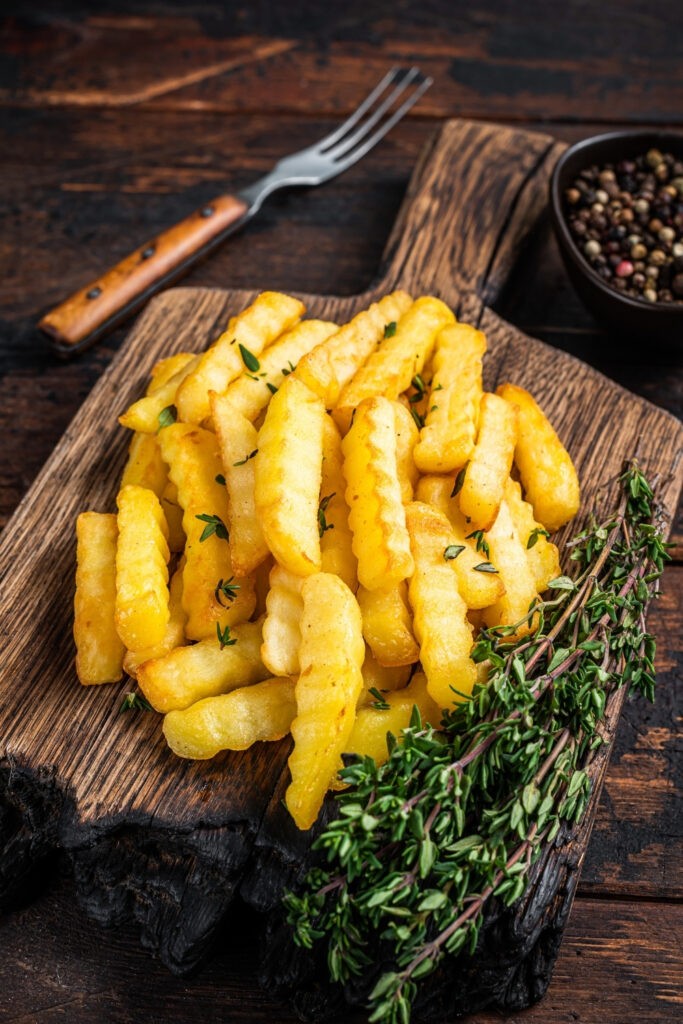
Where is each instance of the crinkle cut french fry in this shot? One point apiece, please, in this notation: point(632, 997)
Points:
point(373, 494)
point(232, 721)
point(143, 415)
point(145, 466)
point(406, 439)
point(448, 436)
point(250, 393)
point(388, 624)
point(369, 734)
point(543, 556)
point(142, 598)
point(191, 454)
point(381, 677)
point(189, 674)
point(336, 542)
point(392, 366)
point(509, 555)
point(238, 441)
point(99, 651)
point(329, 367)
point(489, 468)
point(327, 690)
point(439, 612)
point(175, 629)
point(478, 589)
point(282, 625)
point(288, 471)
point(261, 578)
point(174, 516)
point(164, 369)
point(257, 326)
point(545, 466)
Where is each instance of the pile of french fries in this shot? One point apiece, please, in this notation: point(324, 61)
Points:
point(313, 523)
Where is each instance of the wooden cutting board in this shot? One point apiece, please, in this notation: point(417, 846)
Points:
point(171, 842)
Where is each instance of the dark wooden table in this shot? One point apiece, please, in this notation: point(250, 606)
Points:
point(115, 123)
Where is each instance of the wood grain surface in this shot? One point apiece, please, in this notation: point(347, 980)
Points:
point(120, 120)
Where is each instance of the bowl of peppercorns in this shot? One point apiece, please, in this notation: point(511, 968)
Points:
point(617, 208)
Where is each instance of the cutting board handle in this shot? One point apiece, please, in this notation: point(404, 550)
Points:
point(474, 196)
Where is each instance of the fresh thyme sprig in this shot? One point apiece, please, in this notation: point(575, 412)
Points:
point(460, 815)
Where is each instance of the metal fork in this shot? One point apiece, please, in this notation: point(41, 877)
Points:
point(104, 303)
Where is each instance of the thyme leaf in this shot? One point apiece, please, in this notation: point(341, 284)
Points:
point(214, 524)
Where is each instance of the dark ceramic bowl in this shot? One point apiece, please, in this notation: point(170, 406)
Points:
point(654, 323)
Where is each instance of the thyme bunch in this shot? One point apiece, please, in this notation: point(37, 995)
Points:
point(460, 814)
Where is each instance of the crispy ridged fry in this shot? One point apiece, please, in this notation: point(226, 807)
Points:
point(373, 494)
point(388, 624)
point(188, 674)
point(282, 625)
point(261, 578)
point(238, 441)
point(381, 677)
point(545, 466)
point(510, 558)
point(257, 326)
point(250, 394)
point(288, 475)
point(164, 369)
point(543, 556)
point(142, 555)
point(174, 516)
point(194, 463)
point(145, 466)
point(439, 612)
point(232, 721)
point(491, 462)
point(390, 369)
point(448, 436)
point(330, 656)
point(329, 367)
point(336, 542)
point(406, 439)
point(477, 589)
point(175, 629)
point(143, 415)
point(99, 651)
point(369, 734)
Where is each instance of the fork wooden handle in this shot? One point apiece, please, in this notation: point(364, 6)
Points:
point(100, 305)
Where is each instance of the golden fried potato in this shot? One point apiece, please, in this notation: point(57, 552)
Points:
point(542, 555)
point(388, 624)
point(489, 468)
point(189, 674)
point(383, 678)
point(390, 368)
point(329, 367)
point(448, 436)
point(212, 594)
point(164, 369)
point(369, 734)
point(232, 721)
point(174, 517)
point(238, 441)
point(238, 347)
point(336, 539)
point(509, 555)
point(250, 393)
point(99, 651)
point(327, 691)
point(144, 414)
point(373, 494)
point(288, 471)
point(261, 578)
point(145, 466)
point(545, 466)
point(282, 625)
point(439, 612)
point(406, 439)
point(175, 629)
point(478, 589)
point(142, 598)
